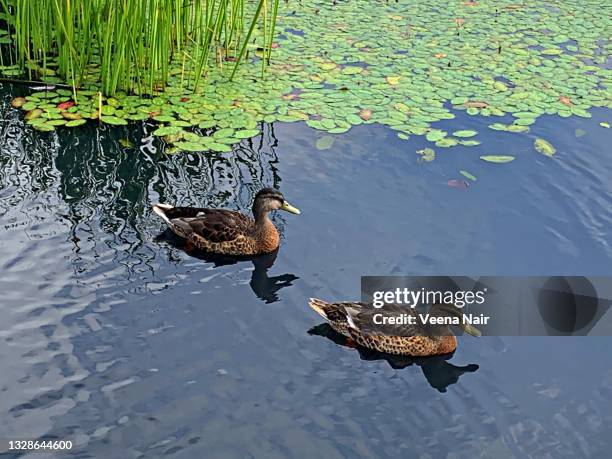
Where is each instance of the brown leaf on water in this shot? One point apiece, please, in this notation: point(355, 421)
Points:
point(71, 116)
point(459, 22)
point(476, 104)
point(566, 101)
point(455, 183)
point(33, 114)
point(439, 55)
point(17, 102)
point(365, 114)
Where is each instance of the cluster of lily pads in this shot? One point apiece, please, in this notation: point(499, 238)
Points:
point(406, 65)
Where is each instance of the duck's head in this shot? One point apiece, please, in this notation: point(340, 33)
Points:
point(268, 199)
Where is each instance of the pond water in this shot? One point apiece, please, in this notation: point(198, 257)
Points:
point(117, 339)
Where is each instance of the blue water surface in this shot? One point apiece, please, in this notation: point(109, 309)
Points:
point(116, 338)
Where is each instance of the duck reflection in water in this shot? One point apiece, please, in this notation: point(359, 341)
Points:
point(437, 370)
point(265, 287)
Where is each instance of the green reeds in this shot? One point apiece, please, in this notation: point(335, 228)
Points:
point(132, 45)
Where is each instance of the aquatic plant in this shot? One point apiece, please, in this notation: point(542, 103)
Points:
point(130, 45)
point(333, 67)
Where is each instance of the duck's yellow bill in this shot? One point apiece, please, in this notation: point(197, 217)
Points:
point(289, 208)
point(471, 330)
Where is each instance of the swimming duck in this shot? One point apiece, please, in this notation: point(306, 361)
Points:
point(356, 321)
point(229, 232)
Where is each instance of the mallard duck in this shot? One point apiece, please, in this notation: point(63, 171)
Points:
point(355, 320)
point(229, 232)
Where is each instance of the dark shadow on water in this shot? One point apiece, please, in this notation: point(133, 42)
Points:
point(439, 373)
point(264, 286)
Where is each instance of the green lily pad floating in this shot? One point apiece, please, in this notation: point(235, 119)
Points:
point(517, 128)
point(57, 122)
point(27, 106)
point(544, 147)
point(466, 174)
point(324, 143)
point(75, 123)
point(166, 130)
point(435, 134)
point(113, 120)
point(500, 159)
point(223, 133)
point(219, 147)
point(447, 142)
point(108, 110)
point(188, 136)
point(191, 146)
point(44, 127)
point(605, 124)
point(465, 133)
point(180, 123)
point(427, 154)
point(246, 133)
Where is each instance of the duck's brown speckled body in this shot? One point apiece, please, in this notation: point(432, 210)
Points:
point(228, 232)
point(353, 320)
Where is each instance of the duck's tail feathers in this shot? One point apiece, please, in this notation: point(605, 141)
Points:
point(160, 209)
point(319, 306)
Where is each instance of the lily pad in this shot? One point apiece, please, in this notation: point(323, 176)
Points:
point(191, 146)
point(466, 174)
point(29, 106)
point(45, 127)
point(324, 143)
point(447, 142)
point(427, 154)
point(497, 158)
point(17, 102)
point(166, 130)
point(74, 123)
point(469, 143)
point(219, 147)
point(435, 135)
point(246, 133)
point(33, 114)
point(465, 133)
point(544, 147)
point(114, 120)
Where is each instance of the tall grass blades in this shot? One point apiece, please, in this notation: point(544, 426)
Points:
point(129, 45)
